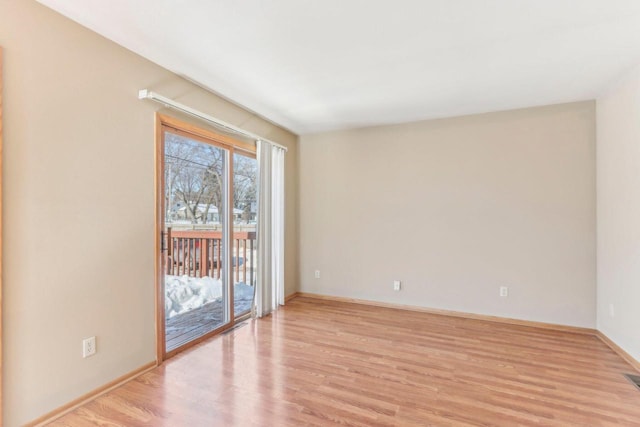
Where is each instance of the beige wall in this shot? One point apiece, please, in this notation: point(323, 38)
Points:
point(79, 205)
point(618, 189)
point(456, 208)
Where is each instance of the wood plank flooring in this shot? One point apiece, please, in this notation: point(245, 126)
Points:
point(319, 363)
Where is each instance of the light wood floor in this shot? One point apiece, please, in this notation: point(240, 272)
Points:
point(322, 363)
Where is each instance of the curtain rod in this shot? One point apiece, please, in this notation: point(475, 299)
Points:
point(147, 94)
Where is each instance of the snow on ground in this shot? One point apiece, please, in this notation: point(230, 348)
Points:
point(184, 293)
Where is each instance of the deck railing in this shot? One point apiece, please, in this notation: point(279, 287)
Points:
point(198, 253)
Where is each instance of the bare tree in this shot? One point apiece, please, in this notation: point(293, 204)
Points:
point(245, 190)
point(193, 175)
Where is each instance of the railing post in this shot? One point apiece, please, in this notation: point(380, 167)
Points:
point(170, 257)
point(188, 260)
point(218, 259)
point(203, 258)
point(184, 256)
point(180, 259)
point(244, 260)
point(237, 251)
point(252, 262)
point(209, 258)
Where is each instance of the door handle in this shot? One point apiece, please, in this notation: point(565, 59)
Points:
point(169, 241)
point(165, 241)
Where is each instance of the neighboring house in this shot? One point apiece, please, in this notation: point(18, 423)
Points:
point(209, 213)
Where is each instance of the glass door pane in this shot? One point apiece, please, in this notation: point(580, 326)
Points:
point(245, 208)
point(195, 206)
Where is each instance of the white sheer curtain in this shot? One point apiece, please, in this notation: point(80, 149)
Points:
point(269, 292)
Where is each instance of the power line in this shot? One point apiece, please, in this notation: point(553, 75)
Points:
point(189, 161)
point(207, 167)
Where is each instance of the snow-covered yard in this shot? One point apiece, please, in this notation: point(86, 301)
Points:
point(184, 293)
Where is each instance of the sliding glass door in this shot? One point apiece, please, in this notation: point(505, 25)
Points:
point(196, 295)
point(207, 223)
point(245, 209)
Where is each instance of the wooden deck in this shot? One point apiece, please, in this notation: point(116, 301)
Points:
point(320, 363)
point(188, 326)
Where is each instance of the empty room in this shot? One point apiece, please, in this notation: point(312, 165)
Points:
point(317, 213)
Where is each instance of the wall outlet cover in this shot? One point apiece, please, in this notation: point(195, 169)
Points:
point(89, 347)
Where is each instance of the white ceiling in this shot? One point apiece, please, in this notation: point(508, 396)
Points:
point(333, 64)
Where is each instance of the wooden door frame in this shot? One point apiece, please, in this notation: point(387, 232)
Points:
point(167, 123)
point(1, 303)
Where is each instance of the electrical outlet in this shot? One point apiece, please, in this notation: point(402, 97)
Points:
point(396, 285)
point(317, 274)
point(504, 291)
point(89, 347)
